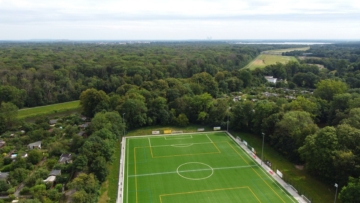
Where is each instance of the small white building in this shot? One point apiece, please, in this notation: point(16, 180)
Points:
point(271, 79)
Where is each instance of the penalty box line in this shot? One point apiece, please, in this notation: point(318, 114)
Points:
point(194, 170)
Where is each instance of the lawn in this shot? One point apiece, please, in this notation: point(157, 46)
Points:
point(317, 191)
point(49, 109)
point(266, 59)
point(199, 167)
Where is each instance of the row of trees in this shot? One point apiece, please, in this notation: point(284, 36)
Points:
point(39, 74)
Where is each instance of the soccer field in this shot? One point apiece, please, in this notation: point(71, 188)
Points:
point(195, 168)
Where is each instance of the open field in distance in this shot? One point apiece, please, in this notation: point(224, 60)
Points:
point(49, 109)
point(265, 59)
point(280, 51)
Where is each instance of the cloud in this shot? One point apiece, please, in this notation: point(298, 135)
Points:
point(130, 18)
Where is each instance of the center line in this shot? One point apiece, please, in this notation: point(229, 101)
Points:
point(194, 170)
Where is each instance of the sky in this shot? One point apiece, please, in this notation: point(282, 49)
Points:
point(179, 20)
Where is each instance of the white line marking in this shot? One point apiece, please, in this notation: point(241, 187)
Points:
point(195, 170)
point(209, 138)
point(182, 144)
point(178, 137)
point(127, 171)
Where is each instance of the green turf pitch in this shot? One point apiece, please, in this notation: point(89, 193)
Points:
point(195, 168)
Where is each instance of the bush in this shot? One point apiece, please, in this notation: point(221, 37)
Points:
point(7, 168)
point(25, 191)
point(59, 187)
point(7, 160)
point(11, 190)
point(4, 186)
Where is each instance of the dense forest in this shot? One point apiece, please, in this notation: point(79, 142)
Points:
point(311, 115)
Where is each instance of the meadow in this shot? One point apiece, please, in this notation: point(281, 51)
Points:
point(48, 110)
point(272, 57)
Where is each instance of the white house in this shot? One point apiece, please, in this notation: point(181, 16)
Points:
point(271, 79)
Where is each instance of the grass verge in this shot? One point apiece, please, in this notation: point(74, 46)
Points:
point(49, 109)
point(317, 191)
point(109, 189)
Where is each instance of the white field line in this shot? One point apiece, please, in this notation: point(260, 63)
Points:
point(179, 137)
point(195, 170)
point(162, 135)
point(180, 144)
point(127, 173)
point(277, 183)
point(209, 138)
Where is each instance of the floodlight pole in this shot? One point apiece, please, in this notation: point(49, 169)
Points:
point(124, 124)
point(262, 152)
point(336, 185)
point(227, 124)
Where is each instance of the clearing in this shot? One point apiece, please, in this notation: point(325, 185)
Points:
point(49, 109)
point(272, 57)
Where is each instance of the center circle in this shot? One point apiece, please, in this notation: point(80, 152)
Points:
point(190, 171)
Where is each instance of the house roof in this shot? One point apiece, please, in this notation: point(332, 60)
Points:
point(84, 125)
point(81, 133)
point(53, 121)
point(4, 175)
point(50, 179)
point(64, 158)
point(55, 172)
point(34, 144)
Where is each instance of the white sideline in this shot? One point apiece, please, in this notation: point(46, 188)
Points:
point(120, 194)
point(267, 169)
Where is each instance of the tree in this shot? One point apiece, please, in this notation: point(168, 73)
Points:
point(85, 182)
point(95, 146)
point(18, 175)
point(80, 163)
point(8, 115)
point(327, 89)
point(303, 104)
point(291, 131)
point(99, 168)
point(111, 121)
point(158, 111)
point(12, 94)
point(34, 156)
point(182, 120)
point(242, 115)
point(4, 186)
point(350, 192)
point(353, 118)
point(262, 110)
point(319, 152)
point(90, 99)
point(207, 82)
point(135, 112)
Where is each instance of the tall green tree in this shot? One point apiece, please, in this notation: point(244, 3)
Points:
point(8, 116)
point(90, 99)
point(327, 89)
point(350, 192)
point(319, 152)
point(291, 131)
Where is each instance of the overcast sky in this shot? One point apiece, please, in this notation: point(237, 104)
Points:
point(179, 20)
